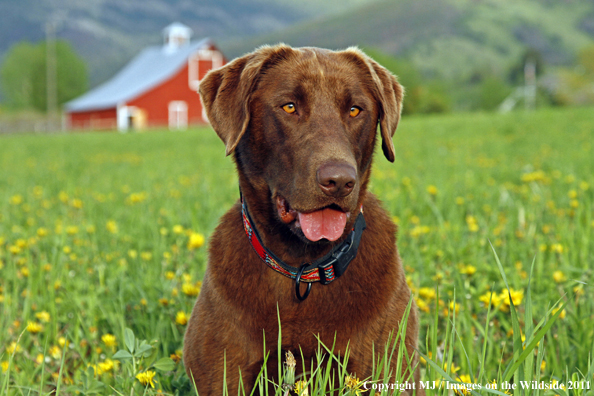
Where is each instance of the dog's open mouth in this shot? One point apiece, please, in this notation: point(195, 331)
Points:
point(328, 222)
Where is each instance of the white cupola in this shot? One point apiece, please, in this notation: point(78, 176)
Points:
point(176, 35)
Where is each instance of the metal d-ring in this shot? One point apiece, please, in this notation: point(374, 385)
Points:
point(297, 281)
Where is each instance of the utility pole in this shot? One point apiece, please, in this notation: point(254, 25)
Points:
point(51, 71)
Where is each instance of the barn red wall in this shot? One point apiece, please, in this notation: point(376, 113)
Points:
point(97, 119)
point(156, 101)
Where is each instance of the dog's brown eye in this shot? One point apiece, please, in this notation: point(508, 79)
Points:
point(289, 108)
point(354, 111)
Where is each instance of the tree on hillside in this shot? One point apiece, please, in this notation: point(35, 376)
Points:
point(24, 78)
point(576, 84)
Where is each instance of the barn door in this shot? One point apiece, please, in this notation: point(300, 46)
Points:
point(178, 115)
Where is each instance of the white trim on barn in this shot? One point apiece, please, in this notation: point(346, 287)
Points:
point(194, 65)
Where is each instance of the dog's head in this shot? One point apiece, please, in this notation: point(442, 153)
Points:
point(302, 125)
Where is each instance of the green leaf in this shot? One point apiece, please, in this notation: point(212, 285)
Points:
point(164, 364)
point(122, 354)
point(144, 350)
point(129, 339)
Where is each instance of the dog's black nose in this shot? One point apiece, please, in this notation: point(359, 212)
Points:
point(337, 179)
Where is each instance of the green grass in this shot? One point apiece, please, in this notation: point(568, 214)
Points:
point(95, 234)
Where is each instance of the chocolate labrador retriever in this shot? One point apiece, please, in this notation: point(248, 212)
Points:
point(307, 238)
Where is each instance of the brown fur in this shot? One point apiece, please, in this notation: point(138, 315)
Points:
point(277, 155)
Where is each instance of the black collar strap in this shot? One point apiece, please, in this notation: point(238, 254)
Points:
point(324, 270)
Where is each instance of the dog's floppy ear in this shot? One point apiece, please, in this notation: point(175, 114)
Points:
point(226, 93)
point(391, 95)
point(388, 93)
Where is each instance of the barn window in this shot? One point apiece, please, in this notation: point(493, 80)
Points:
point(178, 115)
point(200, 63)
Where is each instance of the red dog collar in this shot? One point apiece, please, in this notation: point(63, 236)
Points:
point(324, 270)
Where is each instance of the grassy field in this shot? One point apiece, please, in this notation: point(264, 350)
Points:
point(102, 232)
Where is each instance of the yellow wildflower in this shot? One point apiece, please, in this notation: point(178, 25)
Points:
point(55, 352)
point(472, 223)
point(170, 275)
point(16, 199)
point(428, 293)
point(559, 277)
point(301, 388)
point(62, 342)
point(63, 196)
point(33, 327)
point(112, 226)
point(163, 301)
point(516, 297)
point(106, 366)
point(465, 378)
point(132, 253)
point(43, 316)
point(578, 290)
point(557, 248)
point(196, 241)
point(41, 232)
point(181, 318)
point(190, 289)
point(136, 198)
point(454, 368)
point(353, 384)
point(422, 305)
point(72, 230)
point(39, 358)
point(468, 269)
point(13, 348)
point(495, 299)
point(178, 229)
point(109, 340)
point(146, 378)
point(431, 189)
point(561, 315)
point(4, 365)
point(146, 256)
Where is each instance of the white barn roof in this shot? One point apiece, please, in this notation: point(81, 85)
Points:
point(150, 68)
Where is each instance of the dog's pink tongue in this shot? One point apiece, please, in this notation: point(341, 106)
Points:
point(326, 223)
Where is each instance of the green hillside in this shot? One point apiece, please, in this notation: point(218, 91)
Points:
point(450, 38)
point(108, 33)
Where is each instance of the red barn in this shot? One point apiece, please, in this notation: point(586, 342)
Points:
point(157, 88)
